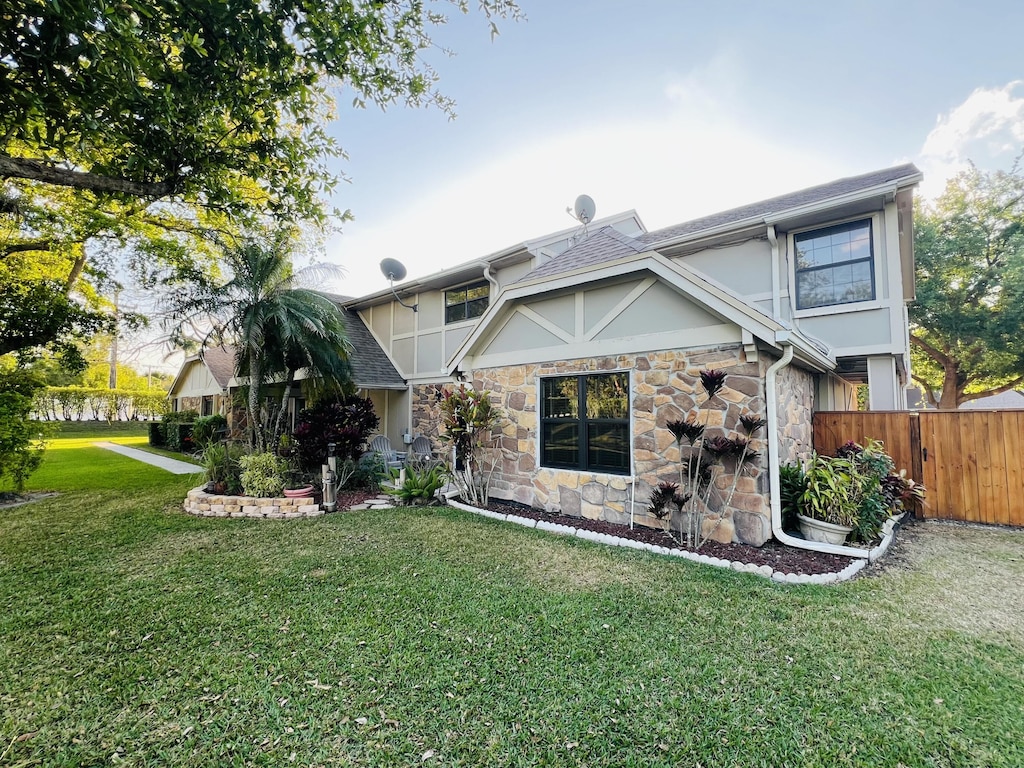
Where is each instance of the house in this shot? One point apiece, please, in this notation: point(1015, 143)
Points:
point(799, 298)
point(592, 339)
point(202, 382)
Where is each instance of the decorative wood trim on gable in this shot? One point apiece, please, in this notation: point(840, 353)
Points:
point(619, 308)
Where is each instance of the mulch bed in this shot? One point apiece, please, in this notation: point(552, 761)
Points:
point(780, 557)
point(348, 499)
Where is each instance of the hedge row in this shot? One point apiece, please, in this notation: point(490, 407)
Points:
point(78, 403)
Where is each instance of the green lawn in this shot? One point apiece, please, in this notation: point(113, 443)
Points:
point(131, 633)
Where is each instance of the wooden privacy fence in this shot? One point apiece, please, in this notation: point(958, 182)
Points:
point(971, 462)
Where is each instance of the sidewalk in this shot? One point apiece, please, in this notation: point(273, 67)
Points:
point(171, 465)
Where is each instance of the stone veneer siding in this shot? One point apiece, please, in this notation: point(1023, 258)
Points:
point(795, 395)
point(664, 386)
point(203, 504)
point(189, 403)
point(426, 411)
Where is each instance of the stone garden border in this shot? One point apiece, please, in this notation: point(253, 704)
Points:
point(203, 504)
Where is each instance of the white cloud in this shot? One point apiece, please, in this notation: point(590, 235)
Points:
point(689, 155)
point(986, 129)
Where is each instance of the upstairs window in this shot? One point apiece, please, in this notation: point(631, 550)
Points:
point(466, 302)
point(585, 422)
point(834, 265)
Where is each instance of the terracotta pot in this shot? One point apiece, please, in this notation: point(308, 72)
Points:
point(298, 493)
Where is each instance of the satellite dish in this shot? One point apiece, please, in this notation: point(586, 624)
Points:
point(584, 208)
point(393, 269)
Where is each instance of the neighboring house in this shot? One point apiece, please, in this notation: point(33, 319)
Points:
point(205, 381)
point(201, 383)
point(799, 298)
point(1010, 400)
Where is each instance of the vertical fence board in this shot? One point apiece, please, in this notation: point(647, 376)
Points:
point(1013, 427)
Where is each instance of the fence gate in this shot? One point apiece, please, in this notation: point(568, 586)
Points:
point(971, 462)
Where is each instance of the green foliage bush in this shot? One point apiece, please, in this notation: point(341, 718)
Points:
point(208, 429)
point(221, 466)
point(21, 443)
point(177, 429)
point(792, 485)
point(263, 474)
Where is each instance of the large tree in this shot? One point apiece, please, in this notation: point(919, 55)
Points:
point(276, 326)
point(146, 126)
point(218, 102)
point(967, 322)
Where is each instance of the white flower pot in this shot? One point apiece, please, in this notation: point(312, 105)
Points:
point(822, 532)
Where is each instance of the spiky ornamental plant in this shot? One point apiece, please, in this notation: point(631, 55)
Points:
point(469, 420)
point(696, 473)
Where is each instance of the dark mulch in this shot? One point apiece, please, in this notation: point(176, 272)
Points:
point(780, 557)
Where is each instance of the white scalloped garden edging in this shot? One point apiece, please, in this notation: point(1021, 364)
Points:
point(765, 571)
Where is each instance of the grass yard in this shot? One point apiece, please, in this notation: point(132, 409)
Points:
point(131, 633)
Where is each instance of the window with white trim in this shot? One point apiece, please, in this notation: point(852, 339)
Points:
point(585, 422)
point(834, 265)
point(466, 302)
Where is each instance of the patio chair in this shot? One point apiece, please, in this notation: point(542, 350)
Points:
point(421, 454)
point(382, 447)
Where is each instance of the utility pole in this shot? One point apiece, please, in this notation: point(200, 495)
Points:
point(112, 381)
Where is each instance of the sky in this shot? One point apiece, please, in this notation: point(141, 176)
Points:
point(674, 108)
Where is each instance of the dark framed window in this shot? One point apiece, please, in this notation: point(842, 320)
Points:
point(207, 405)
point(585, 422)
point(466, 302)
point(834, 265)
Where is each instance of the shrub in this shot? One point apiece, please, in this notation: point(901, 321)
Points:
point(220, 463)
point(262, 474)
point(346, 421)
point(21, 443)
point(207, 429)
point(367, 472)
point(176, 438)
point(156, 434)
point(792, 484)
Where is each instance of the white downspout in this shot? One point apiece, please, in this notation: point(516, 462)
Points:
point(776, 282)
point(775, 484)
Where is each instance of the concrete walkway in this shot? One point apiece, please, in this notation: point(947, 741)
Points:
point(171, 465)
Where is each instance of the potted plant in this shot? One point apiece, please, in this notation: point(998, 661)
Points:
point(831, 501)
point(220, 467)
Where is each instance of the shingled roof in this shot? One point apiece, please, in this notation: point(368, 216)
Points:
point(221, 362)
point(604, 245)
point(371, 368)
point(608, 244)
point(775, 205)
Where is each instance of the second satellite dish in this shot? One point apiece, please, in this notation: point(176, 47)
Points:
point(584, 208)
point(393, 269)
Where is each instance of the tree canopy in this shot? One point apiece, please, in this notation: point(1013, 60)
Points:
point(154, 128)
point(221, 103)
point(967, 322)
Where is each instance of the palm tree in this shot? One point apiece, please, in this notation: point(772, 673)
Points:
point(277, 327)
